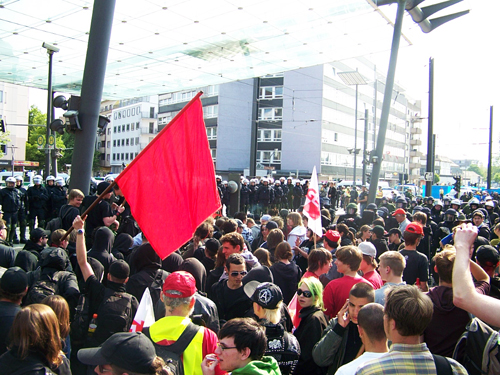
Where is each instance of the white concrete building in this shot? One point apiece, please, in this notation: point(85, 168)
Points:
point(133, 125)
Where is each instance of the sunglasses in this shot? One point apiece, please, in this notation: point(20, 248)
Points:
point(236, 273)
point(306, 293)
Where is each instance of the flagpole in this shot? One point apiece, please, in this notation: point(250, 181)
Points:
point(91, 207)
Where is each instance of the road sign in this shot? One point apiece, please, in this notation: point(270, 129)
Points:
point(40, 141)
point(428, 176)
point(51, 142)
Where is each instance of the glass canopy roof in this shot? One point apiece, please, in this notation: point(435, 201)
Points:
point(168, 45)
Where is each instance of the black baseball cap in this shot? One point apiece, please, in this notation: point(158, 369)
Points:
point(131, 351)
point(14, 280)
point(487, 254)
point(266, 295)
point(38, 233)
point(119, 269)
point(394, 231)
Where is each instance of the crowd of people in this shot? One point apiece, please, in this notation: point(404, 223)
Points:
point(388, 290)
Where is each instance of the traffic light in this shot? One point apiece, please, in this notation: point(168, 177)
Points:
point(71, 106)
point(457, 184)
point(2, 126)
point(368, 177)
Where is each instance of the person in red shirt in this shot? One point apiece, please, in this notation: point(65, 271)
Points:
point(369, 265)
point(337, 291)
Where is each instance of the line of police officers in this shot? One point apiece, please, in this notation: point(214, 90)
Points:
point(37, 204)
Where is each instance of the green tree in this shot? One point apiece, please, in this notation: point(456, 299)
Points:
point(36, 117)
point(479, 170)
point(436, 178)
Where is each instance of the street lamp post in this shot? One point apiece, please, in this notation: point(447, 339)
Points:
point(50, 51)
point(356, 79)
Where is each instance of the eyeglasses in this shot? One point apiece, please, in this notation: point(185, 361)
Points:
point(306, 293)
point(236, 273)
point(102, 369)
point(222, 347)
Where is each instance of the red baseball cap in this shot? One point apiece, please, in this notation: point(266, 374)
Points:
point(333, 235)
point(181, 282)
point(399, 211)
point(414, 228)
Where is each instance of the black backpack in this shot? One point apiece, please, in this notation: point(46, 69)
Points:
point(157, 285)
point(478, 350)
point(43, 287)
point(113, 315)
point(171, 354)
point(80, 324)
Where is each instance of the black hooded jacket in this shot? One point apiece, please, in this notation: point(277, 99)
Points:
point(101, 249)
point(144, 266)
point(121, 246)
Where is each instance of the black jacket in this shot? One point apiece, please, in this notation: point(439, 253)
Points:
point(7, 254)
point(308, 333)
point(37, 197)
point(34, 364)
point(10, 200)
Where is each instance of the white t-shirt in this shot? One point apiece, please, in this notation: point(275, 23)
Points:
point(351, 367)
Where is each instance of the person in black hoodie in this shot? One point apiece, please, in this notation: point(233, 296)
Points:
point(286, 273)
point(101, 250)
point(146, 265)
point(121, 246)
point(53, 264)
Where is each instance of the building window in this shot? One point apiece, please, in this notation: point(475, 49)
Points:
point(114, 142)
point(108, 144)
point(128, 142)
point(270, 114)
point(269, 135)
point(271, 92)
point(122, 156)
point(128, 127)
point(114, 157)
point(136, 140)
point(132, 126)
point(131, 156)
point(136, 154)
point(137, 124)
point(123, 142)
point(114, 129)
point(210, 111)
point(213, 151)
point(212, 133)
point(151, 127)
point(107, 157)
point(109, 131)
point(151, 112)
point(131, 141)
point(133, 111)
point(128, 112)
point(123, 127)
point(269, 156)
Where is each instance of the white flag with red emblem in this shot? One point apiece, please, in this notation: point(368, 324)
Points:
point(144, 316)
point(311, 207)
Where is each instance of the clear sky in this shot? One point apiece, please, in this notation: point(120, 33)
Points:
point(467, 80)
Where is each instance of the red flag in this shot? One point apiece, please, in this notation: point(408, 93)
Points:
point(170, 186)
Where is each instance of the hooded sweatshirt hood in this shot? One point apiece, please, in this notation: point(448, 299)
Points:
point(195, 268)
point(266, 366)
point(442, 298)
point(144, 258)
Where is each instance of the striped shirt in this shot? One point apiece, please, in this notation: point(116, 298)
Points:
point(405, 359)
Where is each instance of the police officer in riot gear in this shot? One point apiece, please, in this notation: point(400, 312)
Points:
point(11, 202)
point(37, 199)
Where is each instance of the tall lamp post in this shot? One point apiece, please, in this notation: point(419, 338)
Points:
point(50, 51)
point(354, 79)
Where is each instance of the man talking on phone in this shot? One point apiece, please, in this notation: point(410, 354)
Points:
point(340, 343)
